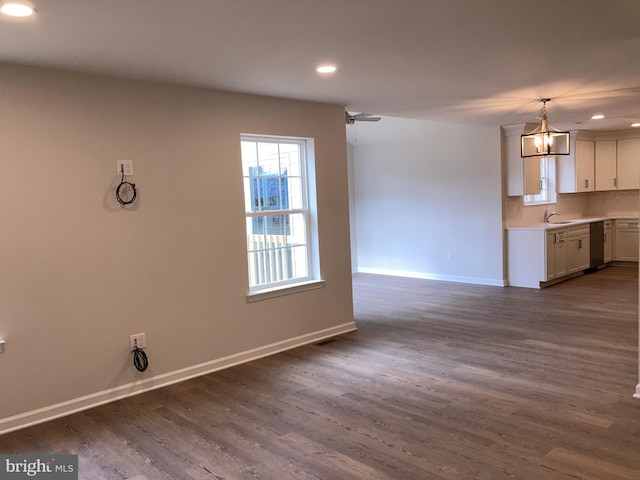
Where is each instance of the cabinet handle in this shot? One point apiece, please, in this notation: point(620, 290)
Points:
point(586, 184)
point(605, 237)
point(580, 243)
point(555, 238)
point(615, 182)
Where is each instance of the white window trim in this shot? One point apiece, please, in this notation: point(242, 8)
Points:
point(313, 280)
point(265, 294)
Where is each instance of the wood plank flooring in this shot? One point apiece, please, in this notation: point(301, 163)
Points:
point(442, 381)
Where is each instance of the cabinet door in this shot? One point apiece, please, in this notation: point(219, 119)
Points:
point(629, 164)
point(626, 248)
point(575, 172)
point(585, 172)
point(573, 249)
point(557, 254)
point(578, 254)
point(605, 165)
point(561, 257)
point(584, 252)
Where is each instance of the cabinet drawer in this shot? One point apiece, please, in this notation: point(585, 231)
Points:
point(579, 230)
point(557, 235)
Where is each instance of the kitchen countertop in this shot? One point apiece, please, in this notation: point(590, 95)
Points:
point(573, 222)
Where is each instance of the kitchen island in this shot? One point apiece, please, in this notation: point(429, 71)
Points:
point(543, 254)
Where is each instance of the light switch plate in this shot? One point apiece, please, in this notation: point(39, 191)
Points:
point(128, 167)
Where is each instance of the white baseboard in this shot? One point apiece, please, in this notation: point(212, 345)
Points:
point(637, 394)
point(51, 412)
point(433, 276)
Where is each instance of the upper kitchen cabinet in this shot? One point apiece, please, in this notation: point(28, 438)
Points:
point(628, 164)
point(522, 174)
point(576, 171)
point(606, 165)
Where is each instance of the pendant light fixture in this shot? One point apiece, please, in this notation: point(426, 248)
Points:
point(544, 140)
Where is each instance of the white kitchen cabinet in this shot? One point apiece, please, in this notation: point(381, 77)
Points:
point(576, 172)
point(608, 241)
point(626, 240)
point(557, 261)
point(606, 165)
point(523, 174)
point(536, 256)
point(628, 163)
point(578, 248)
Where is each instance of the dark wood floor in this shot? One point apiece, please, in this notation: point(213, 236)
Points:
point(441, 381)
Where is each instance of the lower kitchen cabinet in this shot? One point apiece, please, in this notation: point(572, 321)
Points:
point(557, 258)
point(626, 240)
point(543, 255)
point(578, 248)
point(536, 256)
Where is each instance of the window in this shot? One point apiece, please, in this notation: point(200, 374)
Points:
point(547, 184)
point(280, 219)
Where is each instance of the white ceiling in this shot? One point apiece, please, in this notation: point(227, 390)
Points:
point(478, 61)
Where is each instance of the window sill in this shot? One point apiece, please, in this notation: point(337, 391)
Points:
point(534, 204)
point(285, 290)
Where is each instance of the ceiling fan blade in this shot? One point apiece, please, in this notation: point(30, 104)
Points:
point(360, 117)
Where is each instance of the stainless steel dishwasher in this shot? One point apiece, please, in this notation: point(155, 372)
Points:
point(596, 242)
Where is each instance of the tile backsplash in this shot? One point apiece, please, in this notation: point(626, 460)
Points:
point(574, 205)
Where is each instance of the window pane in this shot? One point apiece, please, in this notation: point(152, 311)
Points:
point(249, 158)
point(294, 191)
point(274, 183)
point(289, 159)
point(268, 158)
point(276, 247)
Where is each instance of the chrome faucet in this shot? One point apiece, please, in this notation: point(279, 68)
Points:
point(547, 215)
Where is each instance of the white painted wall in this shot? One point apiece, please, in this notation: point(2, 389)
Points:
point(424, 190)
point(80, 274)
point(352, 209)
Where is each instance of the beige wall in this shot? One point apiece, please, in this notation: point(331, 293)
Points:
point(574, 205)
point(80, 273)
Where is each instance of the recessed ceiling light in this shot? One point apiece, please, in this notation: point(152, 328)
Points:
point(326, 69)
point(635, 124)
point(17, 10)
point(599, 116)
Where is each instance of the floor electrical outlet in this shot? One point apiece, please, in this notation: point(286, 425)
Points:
point(138, 341)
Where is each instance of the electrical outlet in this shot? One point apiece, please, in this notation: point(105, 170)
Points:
point(128, 167)
point(137, 341)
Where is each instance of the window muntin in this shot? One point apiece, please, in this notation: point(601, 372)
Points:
point(278, 217)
